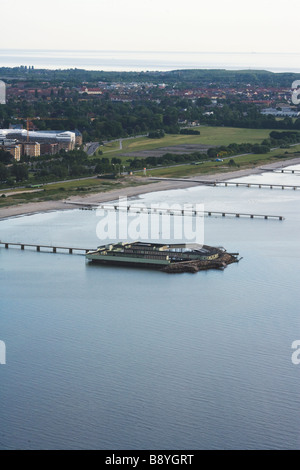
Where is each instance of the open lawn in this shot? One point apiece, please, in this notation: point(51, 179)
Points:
point(215, 136)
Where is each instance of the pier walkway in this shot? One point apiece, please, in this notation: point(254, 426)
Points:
point(233, 183)
point(37, 247)
point(174, 212)
point(283, 170)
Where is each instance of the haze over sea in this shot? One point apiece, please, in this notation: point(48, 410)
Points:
point(115, 358)
point(151, 61)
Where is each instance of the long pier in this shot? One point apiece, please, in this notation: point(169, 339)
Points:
point(256, 185)
point(37, 247)
point(174, 212)
point(283, 170)
point(234, 183)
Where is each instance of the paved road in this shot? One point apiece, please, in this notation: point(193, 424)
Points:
point(121, 141)
point(91, 147)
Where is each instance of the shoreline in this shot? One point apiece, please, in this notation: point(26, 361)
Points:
point(129, 192)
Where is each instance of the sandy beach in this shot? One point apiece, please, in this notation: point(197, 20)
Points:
point(163, 185)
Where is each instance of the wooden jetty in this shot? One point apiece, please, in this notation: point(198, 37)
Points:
point(233, 183)
point(173, 212)
point(37, 247)
point(256, 185)
point(283, 170)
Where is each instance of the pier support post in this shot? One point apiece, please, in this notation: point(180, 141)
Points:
point(54, 250)
point(22, 247)
point(6, 245)
point(237, 215)
point(70, 251)
point(38, 248)
point(223, 214)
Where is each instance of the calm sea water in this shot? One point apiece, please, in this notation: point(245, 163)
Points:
point(151, 61)
point(115, 358)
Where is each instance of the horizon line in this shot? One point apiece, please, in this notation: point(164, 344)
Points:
point(151, 51)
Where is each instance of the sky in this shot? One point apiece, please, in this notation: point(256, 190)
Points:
point(151, 25)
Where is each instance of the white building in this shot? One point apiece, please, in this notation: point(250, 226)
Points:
point(65, 140)
point(282, 112)
point(2, 92)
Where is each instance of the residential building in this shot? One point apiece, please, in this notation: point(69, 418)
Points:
point(11, 146)
point(48, 148)
point(91, 91)
point(31, 149)
point(281, 112)
point(65, 139)
point(2, 92)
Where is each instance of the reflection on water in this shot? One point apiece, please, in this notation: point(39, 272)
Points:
point(109, 358)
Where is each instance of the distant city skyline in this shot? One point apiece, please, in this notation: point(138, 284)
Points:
point(168, 25)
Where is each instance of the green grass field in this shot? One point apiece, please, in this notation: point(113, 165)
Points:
point(208, 136)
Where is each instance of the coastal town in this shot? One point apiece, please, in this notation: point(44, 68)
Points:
point(149, 228)
point(40, 117)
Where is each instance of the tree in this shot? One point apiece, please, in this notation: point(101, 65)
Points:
point(156, 134)
point(5, 157)
point(20, 171)
point(4, 173)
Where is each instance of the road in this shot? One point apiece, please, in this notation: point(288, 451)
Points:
point(3, 191)
point(121, 142)
point(91, 147)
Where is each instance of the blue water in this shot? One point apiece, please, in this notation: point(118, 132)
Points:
point(149, 61)
point(116, 358)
